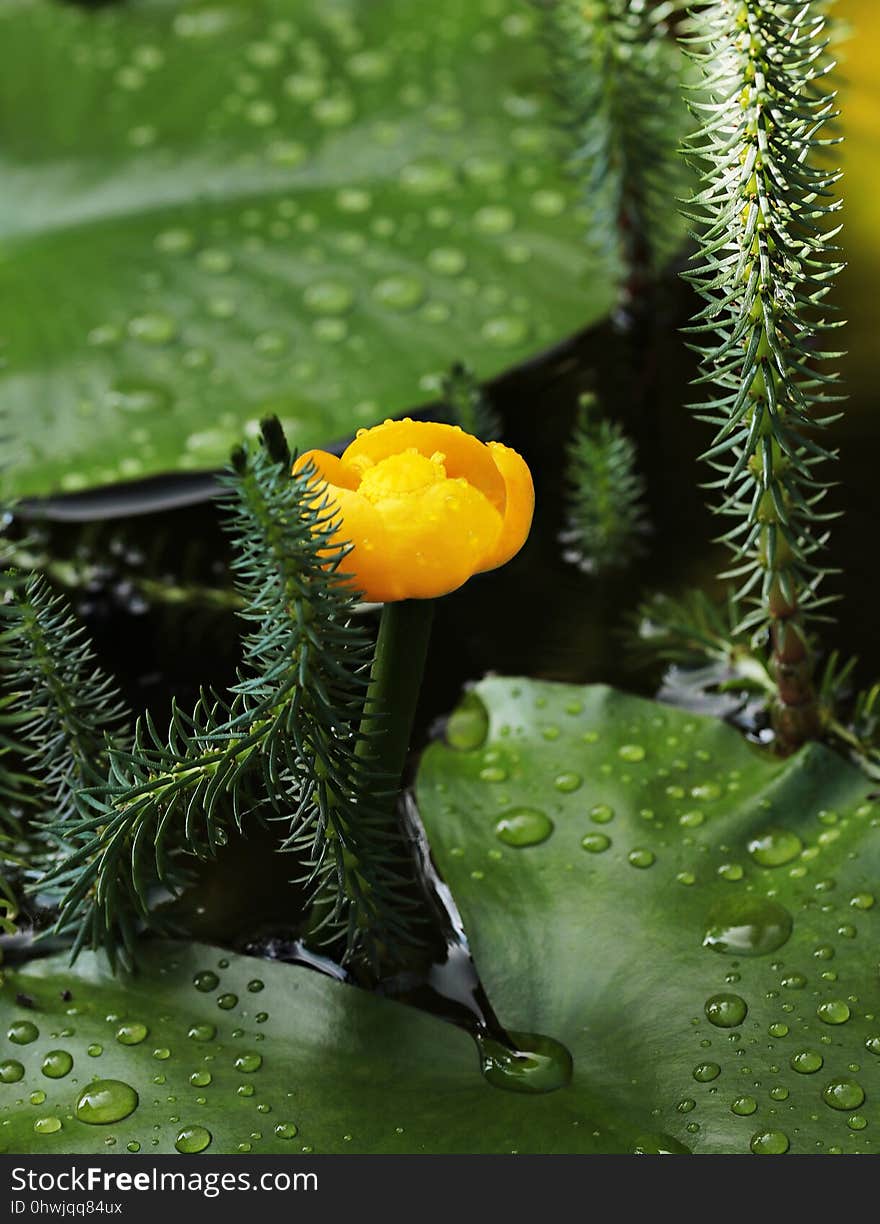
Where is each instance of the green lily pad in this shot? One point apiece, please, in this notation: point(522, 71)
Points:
point(264, 1057)
point(213, 210)
point(699, 926)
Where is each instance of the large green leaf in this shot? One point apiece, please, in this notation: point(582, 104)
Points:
point(600, 950)
point(350, 1071)
point(604, 950)
point(218, 208)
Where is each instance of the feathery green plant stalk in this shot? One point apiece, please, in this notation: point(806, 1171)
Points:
point(284, 748)
point(765, 265)
point(605, 492)
point(617, 78)
point(469, 405)
point(61, 712)
point(68, 710)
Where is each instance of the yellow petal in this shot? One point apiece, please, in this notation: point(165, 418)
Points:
point(435, 540)
point(520, 505)
point(463, 454)
point(328, 467)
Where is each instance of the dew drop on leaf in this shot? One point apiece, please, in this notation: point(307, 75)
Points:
point(56, 1064)
point(534, 1065)
point(132, 1033)
point(774, 847)
point(192, 1139)
point(206, 980)
point(726, 1010)
point(747, 926)
point(522, 827)
point(843, 1094)
point(769, 1143)
point(22, 1032)
point(104, 1101)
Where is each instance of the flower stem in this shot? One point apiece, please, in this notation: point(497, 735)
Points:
point(395, 682)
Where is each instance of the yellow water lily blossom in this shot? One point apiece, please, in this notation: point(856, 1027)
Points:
point(424, 506)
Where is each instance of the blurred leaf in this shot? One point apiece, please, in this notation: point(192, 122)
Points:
point(212, 211)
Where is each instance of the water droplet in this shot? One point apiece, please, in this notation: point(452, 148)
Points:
point(769, 1143)
point(706, 1072)
point(601, 813)
point(691, 820)
point(862, 901)
point(493, 773)
point(747, 926)
point(104, 1101)
point(227, 1001)
point(56, 1064)
point(744, 1106)
point(286, 1130)
point(11, 1071)
point(633, 753)
point(687, 1105)
point(807, 1062)
point(174, 241)
point(47, 1126)
point(567, 783)
point(779, 1093)
point(834, 1011)
point(22, 1032)
point(726, 1010)
point(873, 1044)
point(523, 827)
point(200, 1079)
point(595, 843)
point(245, 1090)
point(447, 261)
point(334, 111)
point(778, 1029)
point(139, 398)
point(95, 1050)
point(536, 1064)
point(495, 219)
point(248, 1062)
point(328, 298)
point(794, 981)
point(731, 872)
point(427, 177)
point(152, 328)
point(399, 292)
point(255, 986)
point(468, 725)
point(641, 857)
point(192, 1139)
point(505, 331)
point(774, 847)
point(132, 1033)
point(843, 1094)
point(201, 1032)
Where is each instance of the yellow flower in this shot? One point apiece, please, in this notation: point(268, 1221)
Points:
point(424, 506)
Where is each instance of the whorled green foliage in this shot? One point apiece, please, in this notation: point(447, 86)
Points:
point(605, 492)
point(61, 714)
point(469, 405)
point(68, 709)
point(282, 748)
point(765, 265)
point(618, 79)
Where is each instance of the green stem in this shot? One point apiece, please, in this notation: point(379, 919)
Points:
point(395, 682)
